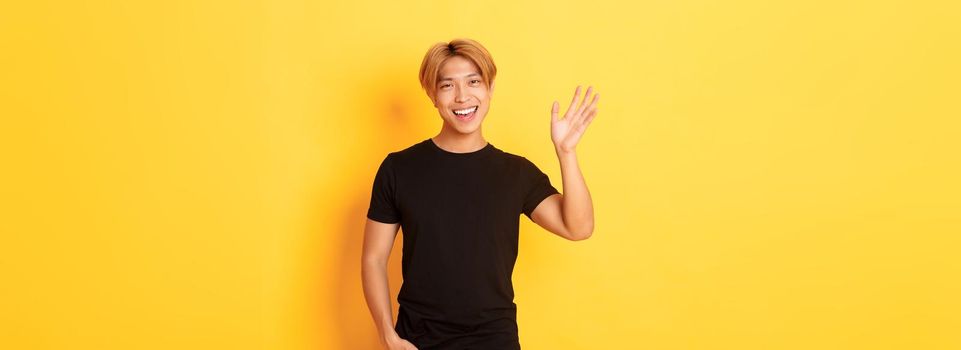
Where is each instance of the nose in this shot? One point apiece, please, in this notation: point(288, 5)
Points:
point(461, 95)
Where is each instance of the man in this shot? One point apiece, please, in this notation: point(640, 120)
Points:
point(459, 199)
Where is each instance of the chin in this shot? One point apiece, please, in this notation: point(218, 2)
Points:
point(466, 130)
point(462, 127)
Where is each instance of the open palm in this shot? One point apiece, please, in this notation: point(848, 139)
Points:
point(567, 132)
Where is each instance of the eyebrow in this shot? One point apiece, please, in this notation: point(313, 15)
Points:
point(449, 78)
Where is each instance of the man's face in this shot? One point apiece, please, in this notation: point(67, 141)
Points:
point(461, 88)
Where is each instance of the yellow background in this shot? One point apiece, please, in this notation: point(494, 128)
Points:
point(765, 175)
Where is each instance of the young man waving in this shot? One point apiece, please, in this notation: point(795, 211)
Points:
point(459, 200)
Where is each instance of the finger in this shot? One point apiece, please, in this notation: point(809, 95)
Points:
point(570, 108)
point(554, 108)
point(588, 119)
point(593, 105)
point(583, 104)
point(581, 110)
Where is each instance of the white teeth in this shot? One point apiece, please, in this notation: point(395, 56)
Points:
point(466, 111)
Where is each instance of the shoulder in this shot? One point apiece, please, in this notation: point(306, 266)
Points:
point(513, 158)
point(410, 156)
point(517, 163)
point(407, 152)
point(518, 160)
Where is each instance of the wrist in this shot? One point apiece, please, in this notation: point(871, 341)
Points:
point(390, 336)
point(564, 152)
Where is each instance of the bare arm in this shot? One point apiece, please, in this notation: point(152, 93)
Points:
point(378, 241)
point(571, 214)
point(576, 205)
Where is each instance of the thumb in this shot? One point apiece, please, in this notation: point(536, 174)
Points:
point(554, 109)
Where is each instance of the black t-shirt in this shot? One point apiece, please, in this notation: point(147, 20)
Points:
point(459, 214)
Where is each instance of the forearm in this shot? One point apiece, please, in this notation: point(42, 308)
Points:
point(577, 206)
point(377, 294)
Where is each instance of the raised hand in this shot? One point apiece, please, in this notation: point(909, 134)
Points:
point(566, 133)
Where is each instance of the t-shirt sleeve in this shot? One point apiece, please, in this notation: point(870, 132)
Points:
point(382, 205)
point(537, 184)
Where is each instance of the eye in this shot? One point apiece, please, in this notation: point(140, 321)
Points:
point(445, 85)
point(475, 80)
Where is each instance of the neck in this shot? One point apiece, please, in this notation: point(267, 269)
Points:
point(458, 142)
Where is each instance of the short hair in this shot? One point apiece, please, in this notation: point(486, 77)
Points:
point(440, 52)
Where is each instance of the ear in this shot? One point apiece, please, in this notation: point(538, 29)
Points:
point(492, 88)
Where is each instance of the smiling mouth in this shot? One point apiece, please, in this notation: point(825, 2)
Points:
point(465, 111)
point(466, 114)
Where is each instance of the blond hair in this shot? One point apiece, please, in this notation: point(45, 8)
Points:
point(440, 52)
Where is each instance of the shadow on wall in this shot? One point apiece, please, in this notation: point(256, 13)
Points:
point(394, 122)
